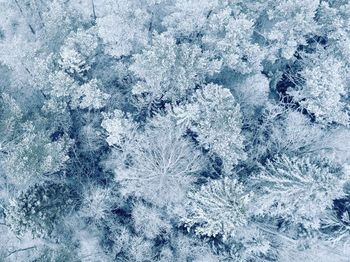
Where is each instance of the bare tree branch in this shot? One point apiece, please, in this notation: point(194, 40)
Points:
point(20, 250)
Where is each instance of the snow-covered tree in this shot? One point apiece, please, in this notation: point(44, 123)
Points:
point(324, 91)
point(124, 26)
point(168, 71)
point(35, 155)
point(215, 117)
point(77, 54)
point(158, 164)
point(188, 18)
point(96, 202)
point(174, 130)
point(28, 151)
point(117, 126)
point(231, 39)
point(333, 19)
point(67, 77)
point(149, 222)
point(40, 208)
point(292, 134)
point(218, 208)
point(299, 189)
point(287, 25)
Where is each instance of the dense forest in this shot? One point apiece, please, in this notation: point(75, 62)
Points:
point(174, 130)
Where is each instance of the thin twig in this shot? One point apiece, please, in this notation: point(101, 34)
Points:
point(20, 250)
point(21, 11)
point(93, 9)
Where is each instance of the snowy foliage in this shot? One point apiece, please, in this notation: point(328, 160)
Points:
point(325, 90)
point(217, 208)
point(174, 130)
point(39, 209)
point(215, 117)
point(96, 203)
point(158, 164)
point(148, 221)
point(299, 190)
point(27, 152)
point(131, 34)
point(230, 38)
point(169, 71)
point(117, 127)
point(89, 96)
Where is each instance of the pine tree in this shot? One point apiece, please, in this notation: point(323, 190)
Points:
point(218, 208)
point(299, 189)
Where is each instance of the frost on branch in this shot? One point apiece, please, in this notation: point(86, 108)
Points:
point(122, 122)
point(40, 208)
point(27, 149)
point(77, 53)
point(215, 117)
point(299, 190)
point(287, 26)
point(230, 38)
point(89, 96)
point(169, 71)
point(158, 164)
point(117, 126)
point(189, 18)
point(218, 208)
point(325, 91)
point(131, 34)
